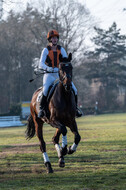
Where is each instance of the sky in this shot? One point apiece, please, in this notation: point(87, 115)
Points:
point(108, 11)
point(105, 11)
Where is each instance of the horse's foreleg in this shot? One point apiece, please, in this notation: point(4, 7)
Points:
point(61, 129)
point(55, 140)
point(62, 151)
point(39, 133)
point(77, 138)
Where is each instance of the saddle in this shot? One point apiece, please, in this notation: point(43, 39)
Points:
point(49, 95)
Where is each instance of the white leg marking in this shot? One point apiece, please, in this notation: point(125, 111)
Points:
point(74, 147)
point(45, 157)
point(64, 141)
point(57, 147)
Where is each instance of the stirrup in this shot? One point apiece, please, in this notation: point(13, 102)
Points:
point(79, 113)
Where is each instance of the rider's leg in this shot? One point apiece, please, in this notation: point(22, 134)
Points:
point(42, 106)
point(48, 80)
point(78, 112)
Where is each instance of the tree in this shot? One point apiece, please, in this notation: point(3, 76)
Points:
point(17, 52)
point(1, 9)
point(70, 18)
point(23, 36)
point(110, 48)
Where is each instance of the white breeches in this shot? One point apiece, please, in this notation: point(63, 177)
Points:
point(48, 80)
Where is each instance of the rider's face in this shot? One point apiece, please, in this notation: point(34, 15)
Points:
point(54, 40)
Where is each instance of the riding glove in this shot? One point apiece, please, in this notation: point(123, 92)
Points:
point(50, 69)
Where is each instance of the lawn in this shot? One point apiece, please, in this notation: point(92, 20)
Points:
point(98, 164)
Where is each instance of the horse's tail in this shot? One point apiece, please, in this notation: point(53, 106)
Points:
point(30, 131)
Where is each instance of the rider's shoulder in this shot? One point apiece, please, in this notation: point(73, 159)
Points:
point(45, 50)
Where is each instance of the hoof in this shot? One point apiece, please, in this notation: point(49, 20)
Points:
point(61, 163)
point(69, 151)
point(49, 167)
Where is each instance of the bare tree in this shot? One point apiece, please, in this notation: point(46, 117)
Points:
point(1, 9)
point(23, 36)
point(72, 19)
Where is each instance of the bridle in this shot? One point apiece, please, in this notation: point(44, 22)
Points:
point(66, 76)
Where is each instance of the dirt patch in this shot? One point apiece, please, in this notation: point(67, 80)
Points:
point(21, 148)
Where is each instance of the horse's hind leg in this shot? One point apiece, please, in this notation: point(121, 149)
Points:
point(77, 138)
point(39, 131)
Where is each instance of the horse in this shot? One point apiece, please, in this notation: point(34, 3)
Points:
point(62, 114)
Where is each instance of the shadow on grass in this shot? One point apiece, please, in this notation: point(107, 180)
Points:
point(68, 180)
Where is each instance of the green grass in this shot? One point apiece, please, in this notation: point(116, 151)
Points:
point(98, 164)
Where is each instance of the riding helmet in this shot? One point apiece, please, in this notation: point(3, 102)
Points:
point(51, 34)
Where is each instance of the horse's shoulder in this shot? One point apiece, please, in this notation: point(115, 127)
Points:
point(38, 90)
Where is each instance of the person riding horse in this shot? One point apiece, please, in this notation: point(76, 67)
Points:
point(49, 61)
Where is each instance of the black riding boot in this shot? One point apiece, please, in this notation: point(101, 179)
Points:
point(78, 112)
point(42, 106)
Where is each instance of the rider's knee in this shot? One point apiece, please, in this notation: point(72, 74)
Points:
point(45, 91)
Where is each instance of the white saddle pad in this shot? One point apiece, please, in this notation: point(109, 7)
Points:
point(39, 96)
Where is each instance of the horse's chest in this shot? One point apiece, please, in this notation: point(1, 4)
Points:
point(63, 106)
point(65, 110)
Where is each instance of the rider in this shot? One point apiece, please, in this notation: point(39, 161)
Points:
point(49, 61)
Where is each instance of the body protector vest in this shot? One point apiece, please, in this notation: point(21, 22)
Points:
point(52, 59)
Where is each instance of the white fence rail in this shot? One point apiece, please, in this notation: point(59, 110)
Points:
point(10, 121)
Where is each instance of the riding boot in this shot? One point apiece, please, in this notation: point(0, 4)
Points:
point(78, 111)
point(42, 106)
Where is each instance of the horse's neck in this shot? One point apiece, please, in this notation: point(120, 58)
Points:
point(63, 99)
point(64, 93)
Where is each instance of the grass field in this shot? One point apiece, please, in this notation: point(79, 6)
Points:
point(98, 164)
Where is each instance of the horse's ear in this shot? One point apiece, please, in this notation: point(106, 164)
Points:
point(70, 57)
point(60, 57)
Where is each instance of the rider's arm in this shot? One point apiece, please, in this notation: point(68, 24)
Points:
point(43, 57)
point(63, 52)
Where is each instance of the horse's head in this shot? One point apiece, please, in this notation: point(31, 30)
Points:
point(65, 72)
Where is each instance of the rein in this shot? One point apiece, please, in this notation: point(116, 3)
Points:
point(65, 85)
point(39, 73)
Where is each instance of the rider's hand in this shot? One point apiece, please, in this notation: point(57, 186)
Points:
point(56, 69)
point(50, 69)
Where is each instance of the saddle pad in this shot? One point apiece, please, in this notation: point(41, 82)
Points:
point(50, 92)
point(39, 96)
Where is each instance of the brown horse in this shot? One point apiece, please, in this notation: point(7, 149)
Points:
point(62, 111)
